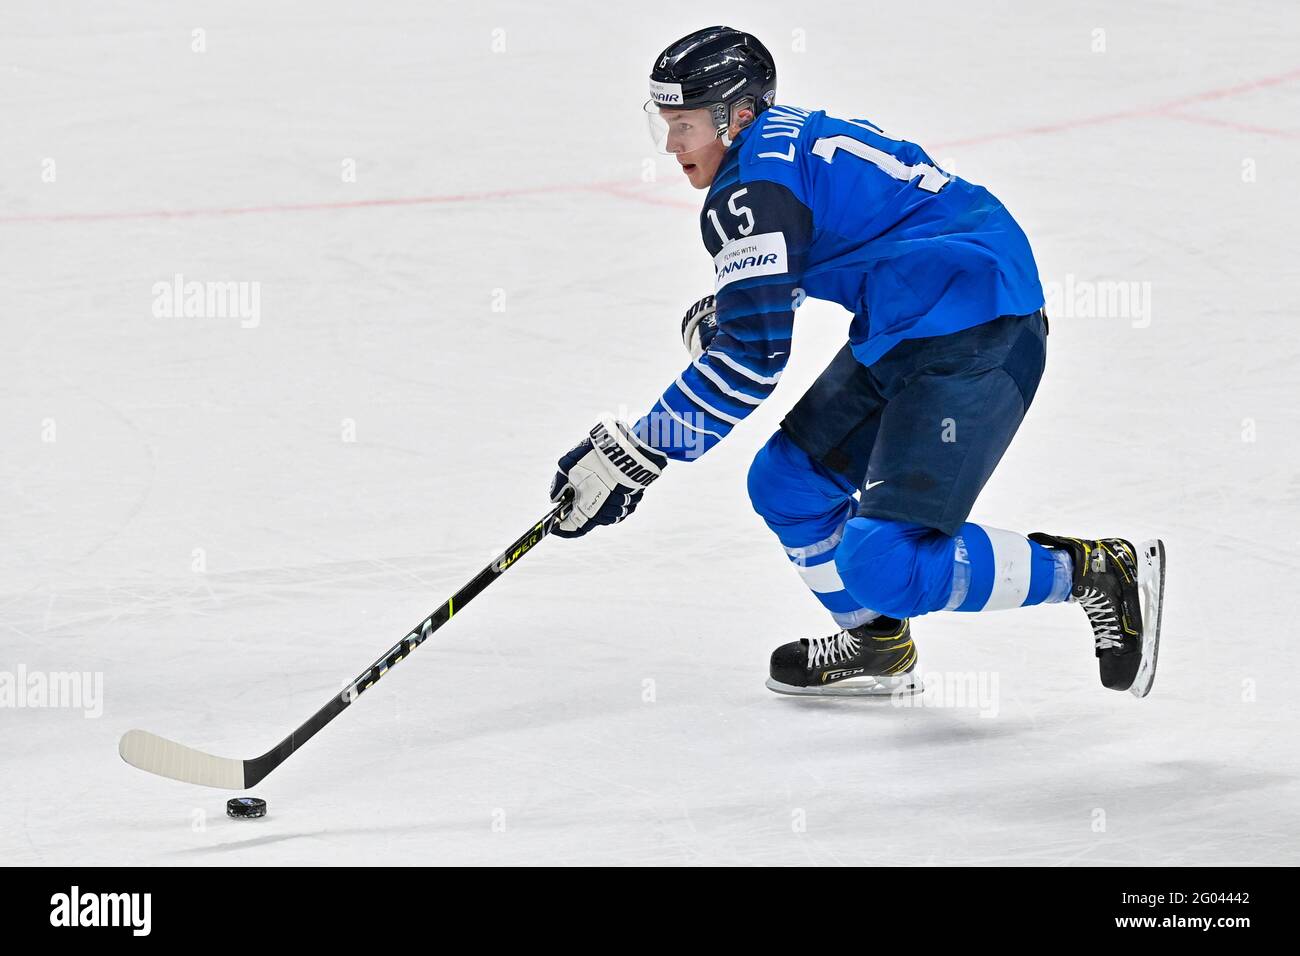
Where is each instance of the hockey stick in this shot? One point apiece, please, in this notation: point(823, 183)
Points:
point(166, 758)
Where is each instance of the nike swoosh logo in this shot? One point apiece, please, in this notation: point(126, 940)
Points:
point(775, 354)
point(871, 484)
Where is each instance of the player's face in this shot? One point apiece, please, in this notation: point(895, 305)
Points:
point(690, 137)
point(701, 165)
point(683, 131)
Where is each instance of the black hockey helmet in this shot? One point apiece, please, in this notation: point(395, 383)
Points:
point(717, 68)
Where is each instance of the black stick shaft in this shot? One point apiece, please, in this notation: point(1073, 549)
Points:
point(259, 767)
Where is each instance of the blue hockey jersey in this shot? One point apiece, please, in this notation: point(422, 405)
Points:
point(808, 205)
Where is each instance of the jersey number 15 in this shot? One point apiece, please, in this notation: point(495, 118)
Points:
point(932, 180)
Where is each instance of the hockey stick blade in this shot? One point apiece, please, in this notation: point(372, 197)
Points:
point(166, 758)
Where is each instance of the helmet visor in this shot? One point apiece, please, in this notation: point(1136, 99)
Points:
point(674, 129)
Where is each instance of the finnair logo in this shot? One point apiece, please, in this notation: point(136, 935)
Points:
point(749, 256)
point(132, 910)
point(666, 94)
point(749, 262)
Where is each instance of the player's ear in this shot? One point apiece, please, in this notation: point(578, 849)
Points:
point(742, 118)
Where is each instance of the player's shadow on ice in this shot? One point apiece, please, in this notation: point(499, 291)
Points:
point(326, 834)
point(915, 723)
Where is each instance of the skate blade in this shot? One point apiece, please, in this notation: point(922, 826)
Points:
point(906, 686)
point(1151, 583)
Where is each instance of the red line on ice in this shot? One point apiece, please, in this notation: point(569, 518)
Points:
point(619, 188)
point(305, 207)
point(1161, 109)
point(1233, 124)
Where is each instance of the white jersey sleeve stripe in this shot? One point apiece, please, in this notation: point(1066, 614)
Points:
point(726, 389)
point(730, 419)
point(748, 373)
point(677, 418)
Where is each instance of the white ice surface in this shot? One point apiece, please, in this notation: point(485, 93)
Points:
point(522, 732)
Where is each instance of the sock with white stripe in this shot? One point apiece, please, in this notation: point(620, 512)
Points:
point(807, 507)
point(995, 569)
point(815, 563)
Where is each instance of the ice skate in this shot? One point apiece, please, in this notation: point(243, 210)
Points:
point(1121, 589)
point(877, 659)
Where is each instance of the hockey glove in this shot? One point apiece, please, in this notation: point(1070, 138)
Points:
point(699, 326)
point(609, 471)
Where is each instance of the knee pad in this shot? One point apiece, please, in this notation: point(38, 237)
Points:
point(895, 567)
point(786, 487)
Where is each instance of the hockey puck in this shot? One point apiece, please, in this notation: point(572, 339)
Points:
point(245, 808)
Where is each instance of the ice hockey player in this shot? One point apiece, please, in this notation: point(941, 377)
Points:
point(870, 479)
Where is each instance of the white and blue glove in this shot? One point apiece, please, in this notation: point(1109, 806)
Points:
point(699, 326)
point(609, 471)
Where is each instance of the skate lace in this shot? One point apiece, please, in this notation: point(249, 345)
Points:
point(831, 650)
point(1102, 616)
